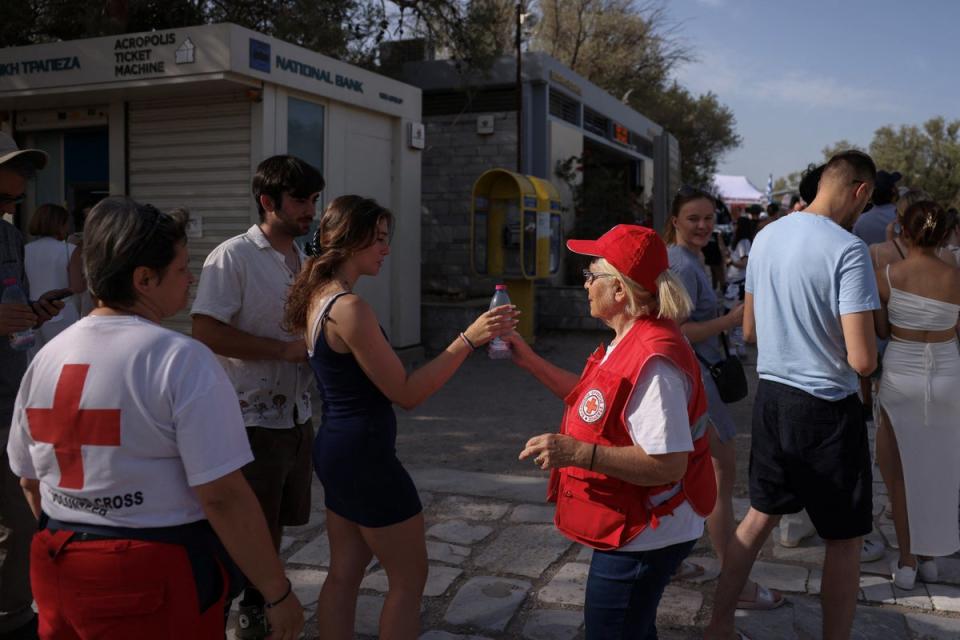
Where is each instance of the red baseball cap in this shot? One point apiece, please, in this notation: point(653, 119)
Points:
point(636, 252)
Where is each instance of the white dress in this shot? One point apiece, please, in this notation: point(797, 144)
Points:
point(919, 394)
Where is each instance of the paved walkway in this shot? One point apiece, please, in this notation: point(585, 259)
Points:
point(499, 569)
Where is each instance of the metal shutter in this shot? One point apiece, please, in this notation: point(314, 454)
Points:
point(194, 153)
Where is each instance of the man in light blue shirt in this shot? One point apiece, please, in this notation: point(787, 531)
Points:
point(810, 296)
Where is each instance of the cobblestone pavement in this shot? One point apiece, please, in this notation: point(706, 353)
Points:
point(499, 569)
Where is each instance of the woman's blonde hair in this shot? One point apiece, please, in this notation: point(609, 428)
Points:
point(671, 299)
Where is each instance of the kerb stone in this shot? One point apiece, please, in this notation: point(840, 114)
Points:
point(552, 624)
point(533, 513)
point(459, 532)
point(487, 602)
point(525, 550)
point(468, 509)
point(316, 553)
point(446, 635)
point(782, 577)
point(367, 620)
point(944, 598)
point(446, 552)
point(679, 606)
point(927, 627)
point(568, 586)
point(439, 579)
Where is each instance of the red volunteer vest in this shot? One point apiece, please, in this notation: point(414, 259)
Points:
point(605, 512)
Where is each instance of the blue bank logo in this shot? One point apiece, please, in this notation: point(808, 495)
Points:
point(260, 55)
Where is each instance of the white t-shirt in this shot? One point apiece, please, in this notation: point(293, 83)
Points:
point(741, 251)
point(139, 413)
point(244, 283)
point(45, 261)
point(658, 421)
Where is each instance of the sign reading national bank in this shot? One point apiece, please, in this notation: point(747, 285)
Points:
point(318, 74)
point(27, 67)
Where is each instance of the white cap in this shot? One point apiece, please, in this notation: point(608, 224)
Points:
point(9, 150)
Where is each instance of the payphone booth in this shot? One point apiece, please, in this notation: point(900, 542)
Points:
point(515, 228)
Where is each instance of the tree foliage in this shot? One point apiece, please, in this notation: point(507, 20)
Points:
point(704, 128)
point(927, 156)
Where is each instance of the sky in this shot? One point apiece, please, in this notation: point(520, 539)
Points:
point(802, 75)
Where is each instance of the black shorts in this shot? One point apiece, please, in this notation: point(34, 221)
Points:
point(280, 474)
point(813, 454)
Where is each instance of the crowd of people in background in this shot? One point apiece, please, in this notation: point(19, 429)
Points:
point(851, 294)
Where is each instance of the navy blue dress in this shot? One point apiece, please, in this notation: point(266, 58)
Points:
point(355, 454)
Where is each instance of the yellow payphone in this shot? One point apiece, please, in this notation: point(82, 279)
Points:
point(515, 230)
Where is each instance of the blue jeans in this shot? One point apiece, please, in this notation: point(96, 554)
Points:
point(624, 590)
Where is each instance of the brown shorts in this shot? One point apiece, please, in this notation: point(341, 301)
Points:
point(281, 473)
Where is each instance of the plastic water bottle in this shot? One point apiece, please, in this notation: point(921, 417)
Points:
point(12, 293)
point(498, 349)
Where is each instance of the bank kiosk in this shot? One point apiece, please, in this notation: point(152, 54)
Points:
point(516, 234)
point(182, 117)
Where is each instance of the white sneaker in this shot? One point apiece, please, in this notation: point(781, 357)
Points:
point(794, 528)
point(903, 577)
point(927, 570)
point(872, 551)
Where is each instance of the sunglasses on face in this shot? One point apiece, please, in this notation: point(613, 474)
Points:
point(6, 198)
point(590, 276)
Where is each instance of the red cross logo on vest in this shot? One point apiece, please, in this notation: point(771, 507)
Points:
point(592, 406)
point(68, 427)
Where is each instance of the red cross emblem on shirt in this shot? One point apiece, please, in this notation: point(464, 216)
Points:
point(592, 405)
point(68, 427)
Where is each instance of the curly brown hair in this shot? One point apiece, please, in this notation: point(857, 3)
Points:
point(348, 224)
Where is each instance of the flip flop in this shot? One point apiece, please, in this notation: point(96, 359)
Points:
point(764, 600)
point(742, 636)
point(688, 571)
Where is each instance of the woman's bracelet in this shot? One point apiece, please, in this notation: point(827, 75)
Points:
point(271, 605)
point(593, 456)
point(467, 342)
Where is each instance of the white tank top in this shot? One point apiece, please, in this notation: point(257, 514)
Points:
point(919, 313)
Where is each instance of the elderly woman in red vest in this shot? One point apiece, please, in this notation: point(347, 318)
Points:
point(630, 469)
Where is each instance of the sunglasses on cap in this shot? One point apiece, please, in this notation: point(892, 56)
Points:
point(6, 198)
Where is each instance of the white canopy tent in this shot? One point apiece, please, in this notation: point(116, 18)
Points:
point(737, 190)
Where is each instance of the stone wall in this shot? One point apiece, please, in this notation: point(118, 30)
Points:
point(454, 158)
point(564, 308)
point(558, 309)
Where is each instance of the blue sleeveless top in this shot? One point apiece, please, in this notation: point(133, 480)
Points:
point(347, 391)
point(355, 455)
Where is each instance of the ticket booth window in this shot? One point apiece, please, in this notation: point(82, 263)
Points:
point(305, 140)
point(77, 174)
point(305, 131)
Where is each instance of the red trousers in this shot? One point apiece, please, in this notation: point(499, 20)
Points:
point(117, 590)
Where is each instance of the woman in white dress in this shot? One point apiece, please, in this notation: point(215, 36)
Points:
point(918, 443)
point(45, 261)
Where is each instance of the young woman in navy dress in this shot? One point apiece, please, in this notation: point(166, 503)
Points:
point(373, 508)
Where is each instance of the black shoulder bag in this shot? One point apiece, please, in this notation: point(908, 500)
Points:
point(727, 374)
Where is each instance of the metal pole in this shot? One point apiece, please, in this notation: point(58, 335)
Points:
point(519, 88)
